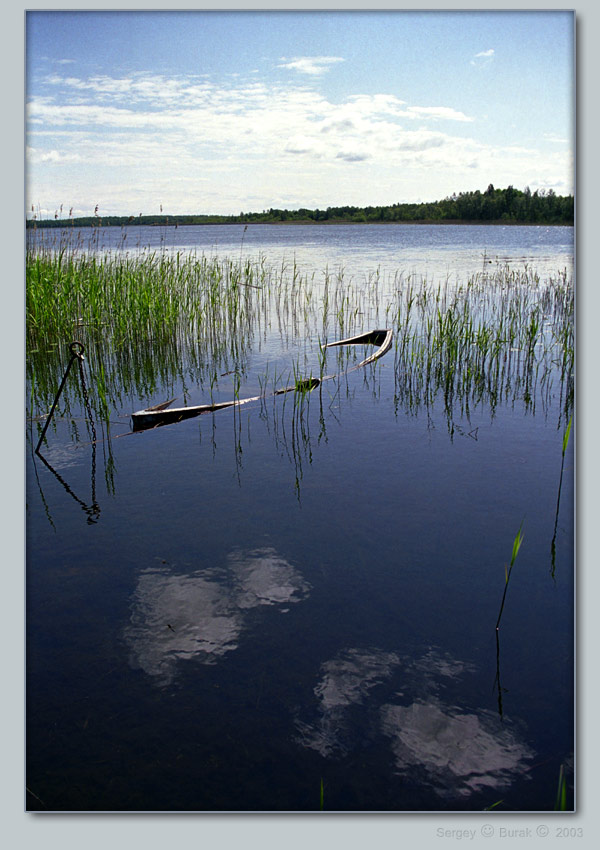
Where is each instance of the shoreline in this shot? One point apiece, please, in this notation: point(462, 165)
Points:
point(65, 225)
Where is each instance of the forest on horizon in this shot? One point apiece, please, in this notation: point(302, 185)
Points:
point(494, 206)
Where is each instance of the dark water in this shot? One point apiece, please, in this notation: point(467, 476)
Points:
point(292, 596)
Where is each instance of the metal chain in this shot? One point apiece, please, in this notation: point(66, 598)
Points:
point(95, 509)
point(86, 398)
point(75, 354)
point(76, 348)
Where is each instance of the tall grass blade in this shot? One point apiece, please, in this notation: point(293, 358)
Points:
point(515, 551)
point(561, 794)
point(566, 436)
point(516, 546)
point(565, 443)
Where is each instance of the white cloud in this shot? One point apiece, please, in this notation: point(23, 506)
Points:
point(51, 156)
point(312, 65)
point(377, 103)
point(484, 57)
point(304, 145)
point(352, 156)
point(201, 147)
point(552, 137)
point(442, 112)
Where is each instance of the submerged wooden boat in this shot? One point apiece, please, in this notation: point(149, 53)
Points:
point(382, 339)
point(163, 414)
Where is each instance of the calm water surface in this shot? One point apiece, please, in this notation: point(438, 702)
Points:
point(431, 250)
point(225, 613)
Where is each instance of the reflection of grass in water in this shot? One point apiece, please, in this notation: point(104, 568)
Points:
point(159, 322)
point(503, 336)
point(565, 444)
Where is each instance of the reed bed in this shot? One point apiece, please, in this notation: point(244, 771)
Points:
point(502, 336)
point(184, 324)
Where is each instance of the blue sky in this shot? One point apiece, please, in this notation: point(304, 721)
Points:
point(199, 112)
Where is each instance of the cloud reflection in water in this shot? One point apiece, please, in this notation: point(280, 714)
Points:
point(346, 681)
point(201, 614)
point(456, 751)
point(460, 753)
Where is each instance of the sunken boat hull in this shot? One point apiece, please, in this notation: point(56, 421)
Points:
point(163, 414)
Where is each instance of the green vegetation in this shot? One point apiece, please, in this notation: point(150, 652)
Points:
point(176, 324)
point(504, 334)
point(561, 795)
point(193, 328)
point(158, 324)
point(494, 206)
point(508, 570)
point(565, 445)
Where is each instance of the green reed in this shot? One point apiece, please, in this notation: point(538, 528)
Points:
point(155, 321)
point(195, 311)
point(560, 804)
point(508, 571)
point(146, 297)
point(565, 445)
point(499, 336)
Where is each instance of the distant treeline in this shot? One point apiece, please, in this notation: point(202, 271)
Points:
point(494, 206)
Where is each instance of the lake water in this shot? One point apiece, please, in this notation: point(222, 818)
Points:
point(432, 250)
point(294, 603)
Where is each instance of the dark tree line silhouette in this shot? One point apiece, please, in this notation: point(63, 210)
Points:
point(494, 206)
